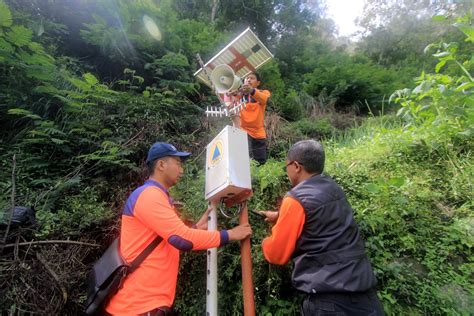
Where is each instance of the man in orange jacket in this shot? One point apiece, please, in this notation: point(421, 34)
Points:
point(315, 228)
point(252, 118)
point(148, 212)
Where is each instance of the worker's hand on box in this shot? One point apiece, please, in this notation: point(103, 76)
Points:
point(202, 222)
point(240, 232)
point(270, 216)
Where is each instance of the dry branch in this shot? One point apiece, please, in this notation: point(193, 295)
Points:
point(53, 274)
point(44, 242)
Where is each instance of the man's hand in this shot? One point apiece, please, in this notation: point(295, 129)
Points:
point(233, 93)
point(202, 222)
point(235, 121)
point(246, 89)
point(270, 216)
point(240, 232)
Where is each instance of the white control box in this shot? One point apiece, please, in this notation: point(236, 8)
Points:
point(228, 166)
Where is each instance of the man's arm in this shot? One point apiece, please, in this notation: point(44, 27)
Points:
point(202, 222)
point(236, 121)
point(279, 247)
point(261, 96)
point(153, 210)
point(231, 101)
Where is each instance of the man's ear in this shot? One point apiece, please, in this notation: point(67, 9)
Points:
point(160, 164)
point(298, 167)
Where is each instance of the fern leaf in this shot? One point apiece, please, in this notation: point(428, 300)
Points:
point(40, 73)
point(91, 79)
point(36, 47)
point(5, 46)
point(24, 113)
point(78, 83)
point(19, 35)
point(46, 89)
point(5, 15)
point(57, 141)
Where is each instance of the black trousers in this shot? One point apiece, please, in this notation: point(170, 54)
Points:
point(160, 311)
point(342, 304)
point(258, 149)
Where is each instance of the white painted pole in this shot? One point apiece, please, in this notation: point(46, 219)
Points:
point(211, 281)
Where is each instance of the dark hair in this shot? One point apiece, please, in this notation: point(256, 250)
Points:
point(152, 164)
point(256, 76)
point(310, 154)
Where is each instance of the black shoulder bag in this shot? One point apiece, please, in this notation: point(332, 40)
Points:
point(108, 274)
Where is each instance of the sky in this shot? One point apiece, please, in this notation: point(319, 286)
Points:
point(344, 12)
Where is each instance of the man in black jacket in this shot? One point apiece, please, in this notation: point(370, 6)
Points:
point(315, 227)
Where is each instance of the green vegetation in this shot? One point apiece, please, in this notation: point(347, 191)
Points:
point(84, 91)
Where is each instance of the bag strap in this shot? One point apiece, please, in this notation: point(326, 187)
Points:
point(139, 259)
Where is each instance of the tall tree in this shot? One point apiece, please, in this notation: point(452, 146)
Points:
point(395, 32)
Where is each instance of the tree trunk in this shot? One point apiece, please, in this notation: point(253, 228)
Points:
point(215, 3)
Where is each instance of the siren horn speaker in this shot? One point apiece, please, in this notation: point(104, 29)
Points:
point(224, 79)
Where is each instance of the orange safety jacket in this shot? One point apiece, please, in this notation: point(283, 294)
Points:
point(149, 212)
point(281, 244)
point(252, 118)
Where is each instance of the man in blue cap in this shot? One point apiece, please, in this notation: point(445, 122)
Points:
point(148, 212)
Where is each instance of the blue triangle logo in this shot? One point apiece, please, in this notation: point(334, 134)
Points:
point(216, 154)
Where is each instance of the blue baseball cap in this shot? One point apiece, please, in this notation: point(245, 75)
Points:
point(160, 150)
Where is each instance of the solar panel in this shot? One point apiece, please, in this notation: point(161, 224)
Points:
point(245, 54)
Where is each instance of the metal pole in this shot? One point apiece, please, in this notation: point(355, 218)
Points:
point(245, 253)
point(211, 281)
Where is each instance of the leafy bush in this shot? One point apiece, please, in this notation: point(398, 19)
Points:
point(351, 81)
point(74, 215)
point(314, 128)
point(291, 106)
point(288, 133)
point(441, 100)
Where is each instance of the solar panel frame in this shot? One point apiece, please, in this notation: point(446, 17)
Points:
point(243, 44)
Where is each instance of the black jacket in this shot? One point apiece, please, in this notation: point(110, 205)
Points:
point(329, 255)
